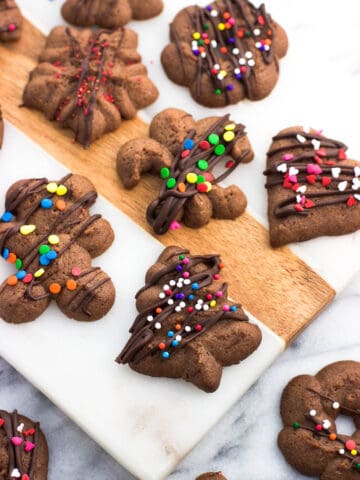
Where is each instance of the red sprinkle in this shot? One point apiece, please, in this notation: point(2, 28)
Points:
point(198, 328)
point(287, 183)
point(350, 445)
point(28, 278)
point(318, 428)
point(311, 179)
point(185, 153)
point(204, 145)
point(351, 202)
point(299, 208)
point(190, 309)
point(342, 155)
point(295, 186)
point(321, 152)
point(2, 421)
point(230, 164)
point(261, 20)
point(202, 188)
point(325, 181)
point(309, 203)
point(29, 432)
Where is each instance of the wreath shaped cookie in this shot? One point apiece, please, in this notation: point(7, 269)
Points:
point(109, 13)
point(309, 408)
point(225, 52)
point(49, 236)
point(10, 21)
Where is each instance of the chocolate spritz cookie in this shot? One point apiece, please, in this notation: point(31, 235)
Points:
point(184, 152)
point(225, 52)
point(187, 327)
point(89, 80)
point(23, 448)
point(109, 13)
point(49, 236)
point(10, 21)
point(211, 476)
point(313, 189)
point(310, 406)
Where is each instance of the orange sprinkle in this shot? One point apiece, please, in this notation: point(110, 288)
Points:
point(55, 288)
point(182, 187)
point(207, 41)
point(60, 205)
point(221, 265)
point(332, 436)
point(201, 49)
point(158, 310)
point(178, 327)
point(12, 258)
point(269, 32)
point(226, 15)
point(223, 50)
point(71, 285)
point(268, 41)
point(12, 281)
point(162, 346)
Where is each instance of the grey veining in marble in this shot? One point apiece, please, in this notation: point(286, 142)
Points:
point(242, 445)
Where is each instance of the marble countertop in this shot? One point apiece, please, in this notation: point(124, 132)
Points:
point(242, 445)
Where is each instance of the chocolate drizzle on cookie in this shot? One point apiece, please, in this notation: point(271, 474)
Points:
point(191, 171)
point(311, 170)
point(49, 247)
point(226, 36)
point(21, 443)
point(188, 306)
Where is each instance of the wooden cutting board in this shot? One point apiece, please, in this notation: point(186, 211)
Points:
point(263, 278)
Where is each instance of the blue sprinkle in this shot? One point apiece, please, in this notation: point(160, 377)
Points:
point(231, 40)
point(179, 268)
point(46, 203)
point(189, 144)
point(170, 333)
point(191, 296)
point(238, 76)
point(6, 253)
point(7, 217)
point(196, 52)
point(195, 286)
point(230, 87)
point(51, 255)
point(165, 354)
point(175, 343)
point(233, 308)
point(209, 8)
point(262, 48)
point(21, 274)
point(44, 261)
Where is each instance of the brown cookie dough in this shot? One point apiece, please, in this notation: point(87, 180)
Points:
point(186, 327)
point(185, 152)
point(211, 476)
point(10, 21)
point(310, 406)
point(225, 52)
point(1, 128)
point(23, 448)
point(89, 81)
point(109, 13)
point(313, 189)
point(49, 236)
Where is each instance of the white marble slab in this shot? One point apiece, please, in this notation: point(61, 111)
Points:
point(132, 416)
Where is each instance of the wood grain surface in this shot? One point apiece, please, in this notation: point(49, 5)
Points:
point(275, 286)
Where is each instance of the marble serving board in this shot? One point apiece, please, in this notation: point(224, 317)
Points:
point(148, 424)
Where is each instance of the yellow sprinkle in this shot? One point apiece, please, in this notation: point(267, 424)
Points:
point(221, 26)
point(39, 273)
point(230, 126)
point(51, 187)
point(191, 178)
point(53, 239)
point(27, 229)
point(213, 303)
point(61, 190)
point(196, 36)
point(229, 136)
point(209, 186)
point(223, 73)
point(354, 453)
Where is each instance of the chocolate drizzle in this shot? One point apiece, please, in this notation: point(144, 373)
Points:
point(191, 324)
point(69, 217)
point(163, 211)
point(311, 168)
point(15, 453)
point(229, 48)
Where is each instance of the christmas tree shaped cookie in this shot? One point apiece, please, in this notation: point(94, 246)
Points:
point(187, 327)
point(49, 236)
point(313, 189)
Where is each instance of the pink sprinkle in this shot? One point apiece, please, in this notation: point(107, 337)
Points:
point(190, 309)
point(17, 441)
point(28, 278)
point(313, 168)
point(185, 261)
point(29, 446)
point(288, 156)
point(11, 27)
point(303, 200)
point(292, 178)
point(320, 132)
point(231, 21)
point(216, 276)
point(226, 308)
point(219, 294)
point(175, 225)
point(186, 274)
point(208, 296)
point(76, 271)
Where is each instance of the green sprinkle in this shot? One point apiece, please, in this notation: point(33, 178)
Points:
point(248, 34)
point(18, 264)
point(200, 179)
point(296, 425)
point(181, 257)
point(171, 183)
point(358, 466)
point(165, 172)
point(219, 149)
point(218, 91)
point(202, 164)
point(214, 139)
point(206, 26)
point(200, 42)
point(43, 249)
